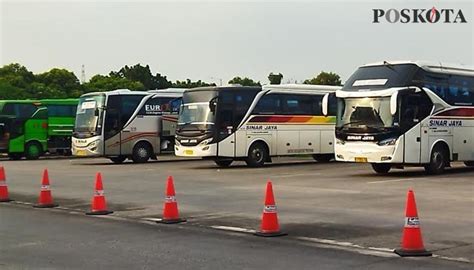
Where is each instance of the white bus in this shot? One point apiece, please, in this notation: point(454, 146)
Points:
point(254, 124)
point(407, 114)
point(123, 124)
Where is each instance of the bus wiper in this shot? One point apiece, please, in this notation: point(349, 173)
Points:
point(352, 122)
point(390, 66)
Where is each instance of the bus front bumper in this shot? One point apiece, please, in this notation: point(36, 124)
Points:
point(91, 147)
point(365, 152)
point(208, 150)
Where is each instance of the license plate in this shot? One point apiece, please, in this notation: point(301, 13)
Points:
point(361, 159)
point(188, 152)
point(81, 153)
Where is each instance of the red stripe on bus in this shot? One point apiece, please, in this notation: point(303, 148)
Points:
point(462, 112)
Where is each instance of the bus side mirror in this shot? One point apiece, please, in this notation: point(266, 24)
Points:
point(213, 105)
point(393, 103)
point(324, 104)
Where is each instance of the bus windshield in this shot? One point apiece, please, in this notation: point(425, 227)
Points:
point(89, 113)
point(196, 113)
point(364, 113)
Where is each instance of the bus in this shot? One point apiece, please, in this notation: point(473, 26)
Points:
point(30, 128)
point(254, 124)
point(123, 124)
point(406, 113)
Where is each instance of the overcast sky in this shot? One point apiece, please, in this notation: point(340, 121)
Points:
point(219, 40)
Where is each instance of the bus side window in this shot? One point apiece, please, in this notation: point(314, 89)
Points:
point(175, 105)
point(269, 104)
point(332, 104)
point(414, 108)
point(112, 118)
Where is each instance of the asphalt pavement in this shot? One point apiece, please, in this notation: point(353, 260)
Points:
point(317, 202)
point(55, 239)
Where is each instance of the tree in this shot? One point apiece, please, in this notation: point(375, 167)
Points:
point(275, 78)
point(59, 81)
point(100, 83)
point(190, 84)
point(325, 78)
point(17, 75)
point(244, 81)
point(142, 74)
point(8, 91)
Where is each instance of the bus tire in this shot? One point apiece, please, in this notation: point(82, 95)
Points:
point(33, 150)
point(258, 154)
point(15, 156)
point(323, 158)
point(381, 168)
point(438, 160)
point(118, 159)
point(224, 163)
point(469, 163)
point(141, 152)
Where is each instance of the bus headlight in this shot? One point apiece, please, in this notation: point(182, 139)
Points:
point(177, 143)
point(93, 144)
point(390, 141)
point(341, 142)
point(205, 142)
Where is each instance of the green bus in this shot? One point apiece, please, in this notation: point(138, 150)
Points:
point(29, 128)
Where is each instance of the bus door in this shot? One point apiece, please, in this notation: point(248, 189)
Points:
point(112, 126)
point(225, 126)
point(414, 107)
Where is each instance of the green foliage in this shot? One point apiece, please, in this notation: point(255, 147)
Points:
point(244, 81)
point(8, 91)
point(190, 84)
point(325, 78)
point(142, 74)
point(17, 75)
point(275, 78)
point(100, 83)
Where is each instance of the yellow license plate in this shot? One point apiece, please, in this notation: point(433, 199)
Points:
point(81, 153)
point(361, 159)
point(188, 152)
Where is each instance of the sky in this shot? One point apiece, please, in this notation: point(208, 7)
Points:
point(214, 41)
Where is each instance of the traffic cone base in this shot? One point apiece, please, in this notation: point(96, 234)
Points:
point(98, 213)
point(49, 205)
point(171, 221)
point(270, 234)
point(412, 253)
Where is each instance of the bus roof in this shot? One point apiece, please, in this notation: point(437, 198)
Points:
point(225, 88)
point(117, 92)
point(66, 101)
point(448, 68)
point(169, 91)
point(310, 87)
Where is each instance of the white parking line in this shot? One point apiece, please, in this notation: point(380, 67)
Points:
point(395, 180)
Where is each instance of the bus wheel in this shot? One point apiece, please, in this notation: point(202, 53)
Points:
point(323, 157)
point(141, 152)
point(223, 162)
point(258, 153)
point(438, 161)
point(469, 163)
point(381, 168)
point(33, 150)
point(118, 160)
point(15, 156)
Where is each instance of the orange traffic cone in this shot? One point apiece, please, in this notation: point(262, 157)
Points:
point(99, 205)
point(269, 225)
point(412, 242)
point(3, 186)
point(45, 198)
point(170, 207)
